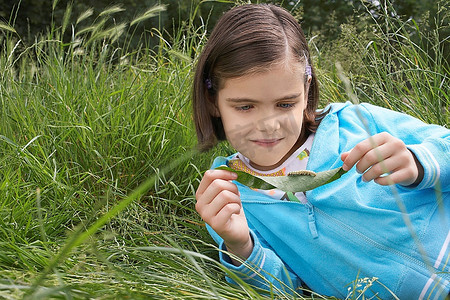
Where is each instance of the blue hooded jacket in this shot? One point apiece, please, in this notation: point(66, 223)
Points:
point(351, 229)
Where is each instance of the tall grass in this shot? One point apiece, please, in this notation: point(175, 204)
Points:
point(97, 167)
point(83, 124)
point(397, 64)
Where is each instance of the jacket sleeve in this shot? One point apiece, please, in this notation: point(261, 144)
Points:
point(429, 143)
point(263, 268)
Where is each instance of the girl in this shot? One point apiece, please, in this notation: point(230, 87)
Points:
point(255, 87)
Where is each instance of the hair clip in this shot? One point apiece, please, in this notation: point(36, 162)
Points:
point(208, 84)
point(308, 70)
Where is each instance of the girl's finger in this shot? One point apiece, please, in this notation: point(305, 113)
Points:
point(224, 215)
point(344, 156)
point(375, 156)
point(402, 176)
point(225, 197)
point(386, 166)
point(354, 155)
point(215, 188)
point(212, 175)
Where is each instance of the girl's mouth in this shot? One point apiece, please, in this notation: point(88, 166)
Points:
point(267, 142)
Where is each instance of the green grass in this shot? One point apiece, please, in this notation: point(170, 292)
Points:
point(400, 65)
point(98, 167)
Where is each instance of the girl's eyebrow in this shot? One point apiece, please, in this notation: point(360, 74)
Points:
point(248, 100)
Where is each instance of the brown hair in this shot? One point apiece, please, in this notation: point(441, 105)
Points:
point(246, 39)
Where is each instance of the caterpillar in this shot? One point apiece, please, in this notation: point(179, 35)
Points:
point(302, 172)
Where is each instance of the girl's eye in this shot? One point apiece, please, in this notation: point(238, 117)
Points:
point(244, 107)
point(286, 105)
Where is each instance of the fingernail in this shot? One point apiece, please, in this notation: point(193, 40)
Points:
point(234, 175)
point(345, 167)
point(358, 171)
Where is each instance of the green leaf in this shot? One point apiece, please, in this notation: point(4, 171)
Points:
point(295, 182)
point(248, 179)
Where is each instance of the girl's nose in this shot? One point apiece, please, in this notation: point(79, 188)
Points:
point(268, 124)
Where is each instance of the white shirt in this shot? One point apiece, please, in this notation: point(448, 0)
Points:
point(296, 162)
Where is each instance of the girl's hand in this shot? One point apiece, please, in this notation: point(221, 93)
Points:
point(401, 164)
point(219, 205)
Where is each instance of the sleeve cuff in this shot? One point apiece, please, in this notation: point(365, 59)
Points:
point(251, 266)
point(430, 166)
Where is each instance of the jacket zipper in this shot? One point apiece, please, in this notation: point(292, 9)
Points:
point(312, 220)
point(311, 216)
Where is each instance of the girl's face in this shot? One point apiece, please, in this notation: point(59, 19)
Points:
point(262, 113)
